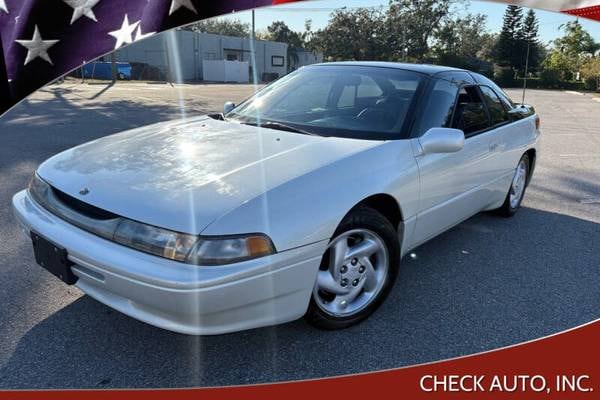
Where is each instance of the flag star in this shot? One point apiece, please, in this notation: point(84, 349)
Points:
point(3, 6)
point(124, 35)
point(177, 4)
point(81, 8)
point(139, 35)
point(37, 47)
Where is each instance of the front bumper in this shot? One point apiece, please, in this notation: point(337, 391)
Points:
point(201, 300)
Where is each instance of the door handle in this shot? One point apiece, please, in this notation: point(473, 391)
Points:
point(493, 146)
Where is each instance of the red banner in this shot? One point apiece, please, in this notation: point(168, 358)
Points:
point(562, 366)
point(592, 12)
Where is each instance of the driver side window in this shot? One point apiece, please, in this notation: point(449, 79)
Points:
point(439, 107)
point(470, 114)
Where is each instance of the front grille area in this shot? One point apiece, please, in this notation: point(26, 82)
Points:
point(76, 212)
point(81, 207)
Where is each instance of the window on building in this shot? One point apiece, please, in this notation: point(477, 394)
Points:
point(277, 61)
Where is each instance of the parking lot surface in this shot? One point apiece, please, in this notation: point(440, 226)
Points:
point(487, 283)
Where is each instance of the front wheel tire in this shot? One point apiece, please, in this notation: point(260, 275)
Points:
point(357, 271)
point(517, 189)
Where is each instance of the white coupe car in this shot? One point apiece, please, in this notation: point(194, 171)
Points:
point(300, 201)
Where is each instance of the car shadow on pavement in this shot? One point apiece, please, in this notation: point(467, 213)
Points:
point(487, 283)
point(74, 120)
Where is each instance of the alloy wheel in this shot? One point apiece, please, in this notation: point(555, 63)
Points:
point(518, 184)
point(353, 273)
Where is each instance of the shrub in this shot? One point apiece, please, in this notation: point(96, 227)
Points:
point(550, 77)
point(538, 83)
point(505, 77)
point(590, 71)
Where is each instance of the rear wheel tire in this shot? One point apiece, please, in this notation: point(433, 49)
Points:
point(357, 272)
point(516, 192)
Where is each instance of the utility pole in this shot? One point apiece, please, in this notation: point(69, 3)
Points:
point(253, 74)
point(526, 71)
point(113, 62)
point(253, 26)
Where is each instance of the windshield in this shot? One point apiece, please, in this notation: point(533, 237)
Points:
point(345, 101)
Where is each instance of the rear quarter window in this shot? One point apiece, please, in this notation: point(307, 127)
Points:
point(498, 112)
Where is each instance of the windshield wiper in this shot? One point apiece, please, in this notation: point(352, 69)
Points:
point(279, 126)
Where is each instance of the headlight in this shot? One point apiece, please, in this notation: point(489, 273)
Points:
point(153, 240)
point(226, 250)
point(189, 248)
point(160, 242)
point(39, 190)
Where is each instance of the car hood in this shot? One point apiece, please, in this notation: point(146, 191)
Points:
point(184, 175)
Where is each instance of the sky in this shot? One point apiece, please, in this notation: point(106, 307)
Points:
point(294, 15)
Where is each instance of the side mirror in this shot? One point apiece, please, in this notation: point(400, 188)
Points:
point(521, 111)
point(228, 107)
point(442, 140)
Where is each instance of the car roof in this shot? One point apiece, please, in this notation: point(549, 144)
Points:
point(428, 69)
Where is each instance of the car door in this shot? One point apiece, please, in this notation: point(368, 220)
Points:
point(453, 186)
point(503, 132)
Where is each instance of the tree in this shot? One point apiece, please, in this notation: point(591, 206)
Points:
point(529, 28)
point(308, 32)
point(558, 65)
point(590, 72)
point(463, 42)
point(227, 27)
point(404, 32)
point(278, 31)
point(570, 52)
point(576, 44)
point(527, 36)
point(410, 26)
point(351, 35)
point(465, 38)
point(506, 50)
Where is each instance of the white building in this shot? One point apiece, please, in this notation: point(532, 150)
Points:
point(183, 54)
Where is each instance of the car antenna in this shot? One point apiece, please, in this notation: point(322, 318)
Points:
point(525, 77)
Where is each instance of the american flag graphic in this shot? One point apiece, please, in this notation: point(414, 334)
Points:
point(44, 39)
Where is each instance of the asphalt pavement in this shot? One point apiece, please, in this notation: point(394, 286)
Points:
point(487, 283)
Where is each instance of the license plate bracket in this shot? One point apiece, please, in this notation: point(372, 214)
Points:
point(53, 258)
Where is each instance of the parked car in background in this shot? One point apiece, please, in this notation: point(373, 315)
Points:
point(300, 201)
point(103, 70)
